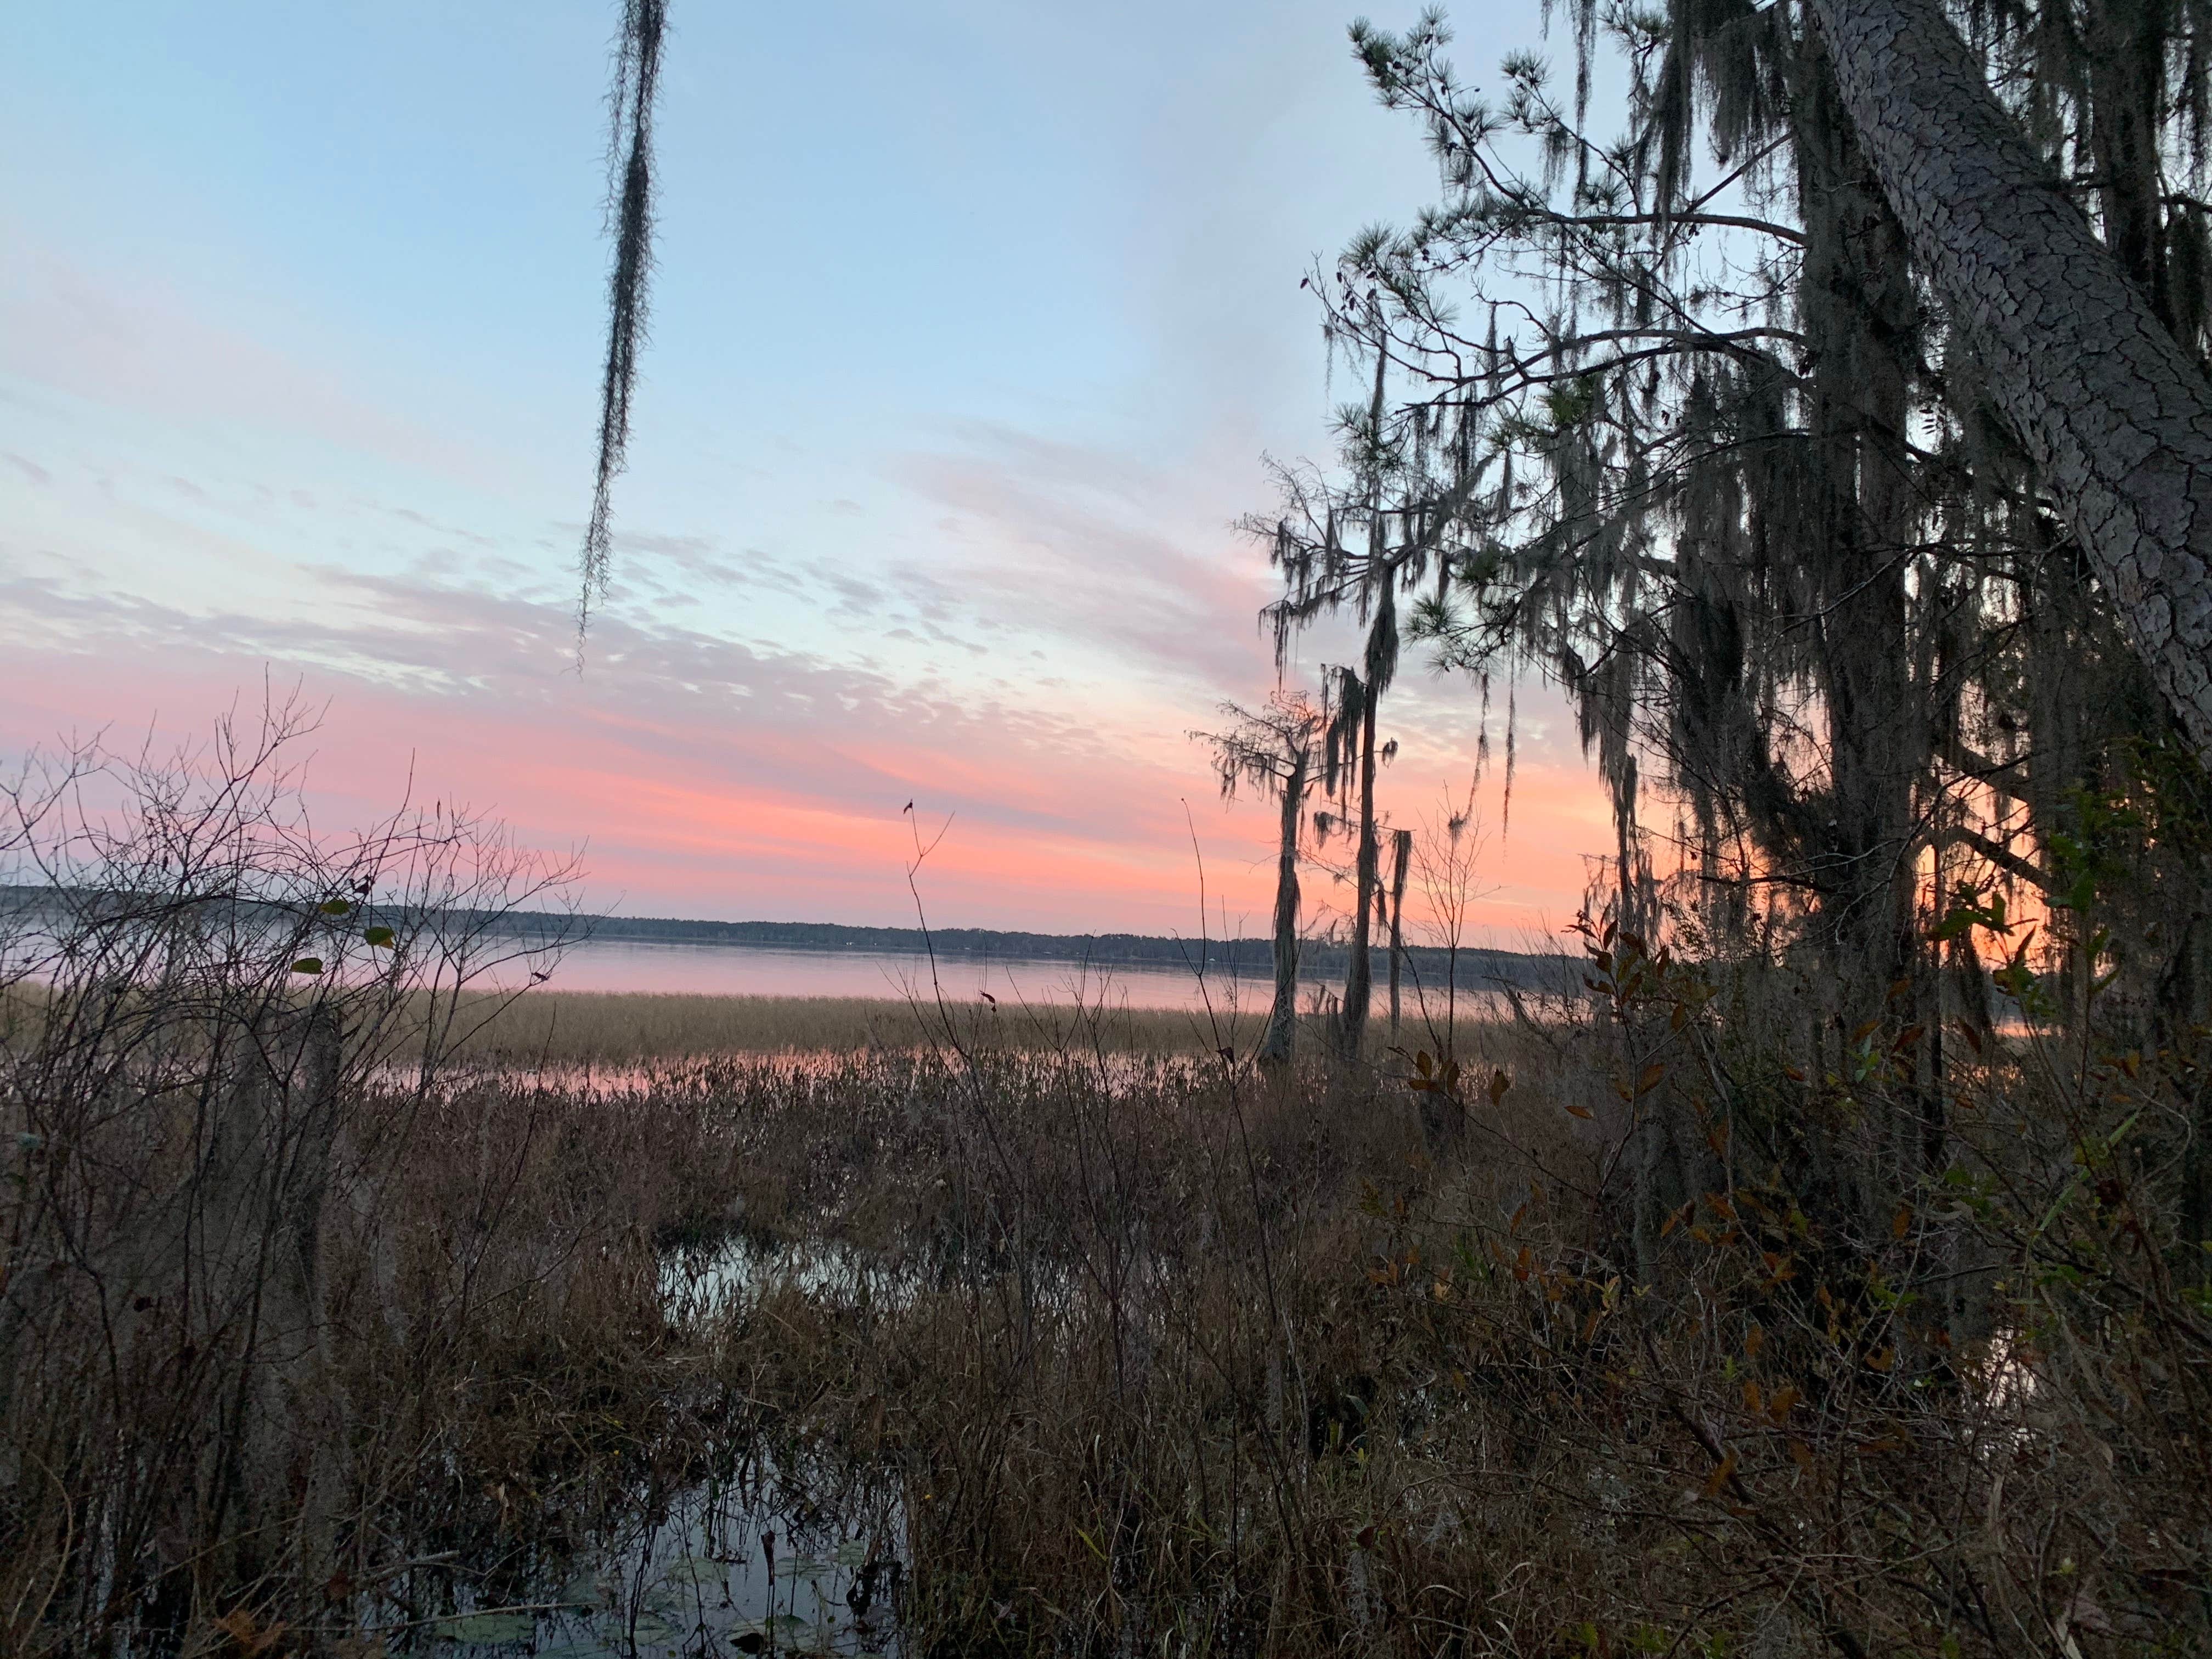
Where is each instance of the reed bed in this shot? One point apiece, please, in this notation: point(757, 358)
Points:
point(352, 1321)
point(1143, 1353)
point(569, 1028)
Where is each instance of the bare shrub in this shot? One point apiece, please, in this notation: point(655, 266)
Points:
point(221, 1025)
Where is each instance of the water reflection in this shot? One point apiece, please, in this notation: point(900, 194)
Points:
point(720, 1568)
point(800, 1556)
point(727, 1279)
point(760, 970)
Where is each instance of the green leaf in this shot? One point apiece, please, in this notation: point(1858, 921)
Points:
point(336, 907)
point(486, 1627)
point(853, 1552)
point(380, 937)
point(308, 965)
point(1959, 922)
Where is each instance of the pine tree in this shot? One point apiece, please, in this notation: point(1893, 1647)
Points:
point(1699, 440)
point(2067, 331)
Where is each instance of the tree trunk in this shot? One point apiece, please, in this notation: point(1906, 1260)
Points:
point(1359, 971)
point(1401, 856)
point(1279, 1043)
point(264, 1177)
point(2115, 414)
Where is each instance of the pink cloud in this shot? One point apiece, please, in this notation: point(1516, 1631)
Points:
point(712, 778)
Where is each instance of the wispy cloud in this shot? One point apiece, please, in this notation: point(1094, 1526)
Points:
point(955, 528)
point(710, 772)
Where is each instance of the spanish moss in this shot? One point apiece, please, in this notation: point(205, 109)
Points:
point(630, 222)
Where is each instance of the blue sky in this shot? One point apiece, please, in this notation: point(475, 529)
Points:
point(971, 327)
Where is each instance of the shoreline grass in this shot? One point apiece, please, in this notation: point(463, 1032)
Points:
point(572, 1027)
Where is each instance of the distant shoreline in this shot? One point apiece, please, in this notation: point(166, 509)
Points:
point(1255, 957)
point(1475, 966)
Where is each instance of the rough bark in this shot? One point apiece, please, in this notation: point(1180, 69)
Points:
point(2113, 411)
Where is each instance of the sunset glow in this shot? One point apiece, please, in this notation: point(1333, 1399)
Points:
point(1001, 584)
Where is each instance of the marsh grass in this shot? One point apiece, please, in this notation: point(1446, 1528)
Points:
point(339, 1312)
point(1146, 1353)
point(569, 1028)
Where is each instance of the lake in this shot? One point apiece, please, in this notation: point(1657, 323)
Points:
point(765, 971)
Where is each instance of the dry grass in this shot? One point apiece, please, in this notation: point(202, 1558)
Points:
point(1165, 1356)
point(562, 1028)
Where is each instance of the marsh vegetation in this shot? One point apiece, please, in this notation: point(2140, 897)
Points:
point(1825, 1265)
point(1558, 1336)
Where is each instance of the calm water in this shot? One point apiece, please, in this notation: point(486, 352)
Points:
point(747, 970)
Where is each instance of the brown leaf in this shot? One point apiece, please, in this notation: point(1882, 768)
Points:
point(1719, 1477)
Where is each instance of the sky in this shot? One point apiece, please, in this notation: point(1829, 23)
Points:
point(973, 327)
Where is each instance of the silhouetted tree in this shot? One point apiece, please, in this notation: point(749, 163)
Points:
point(1273, 750)
point(1401, 842)
point(1756, 426)
point(1711, 451)
point(1349, 757)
